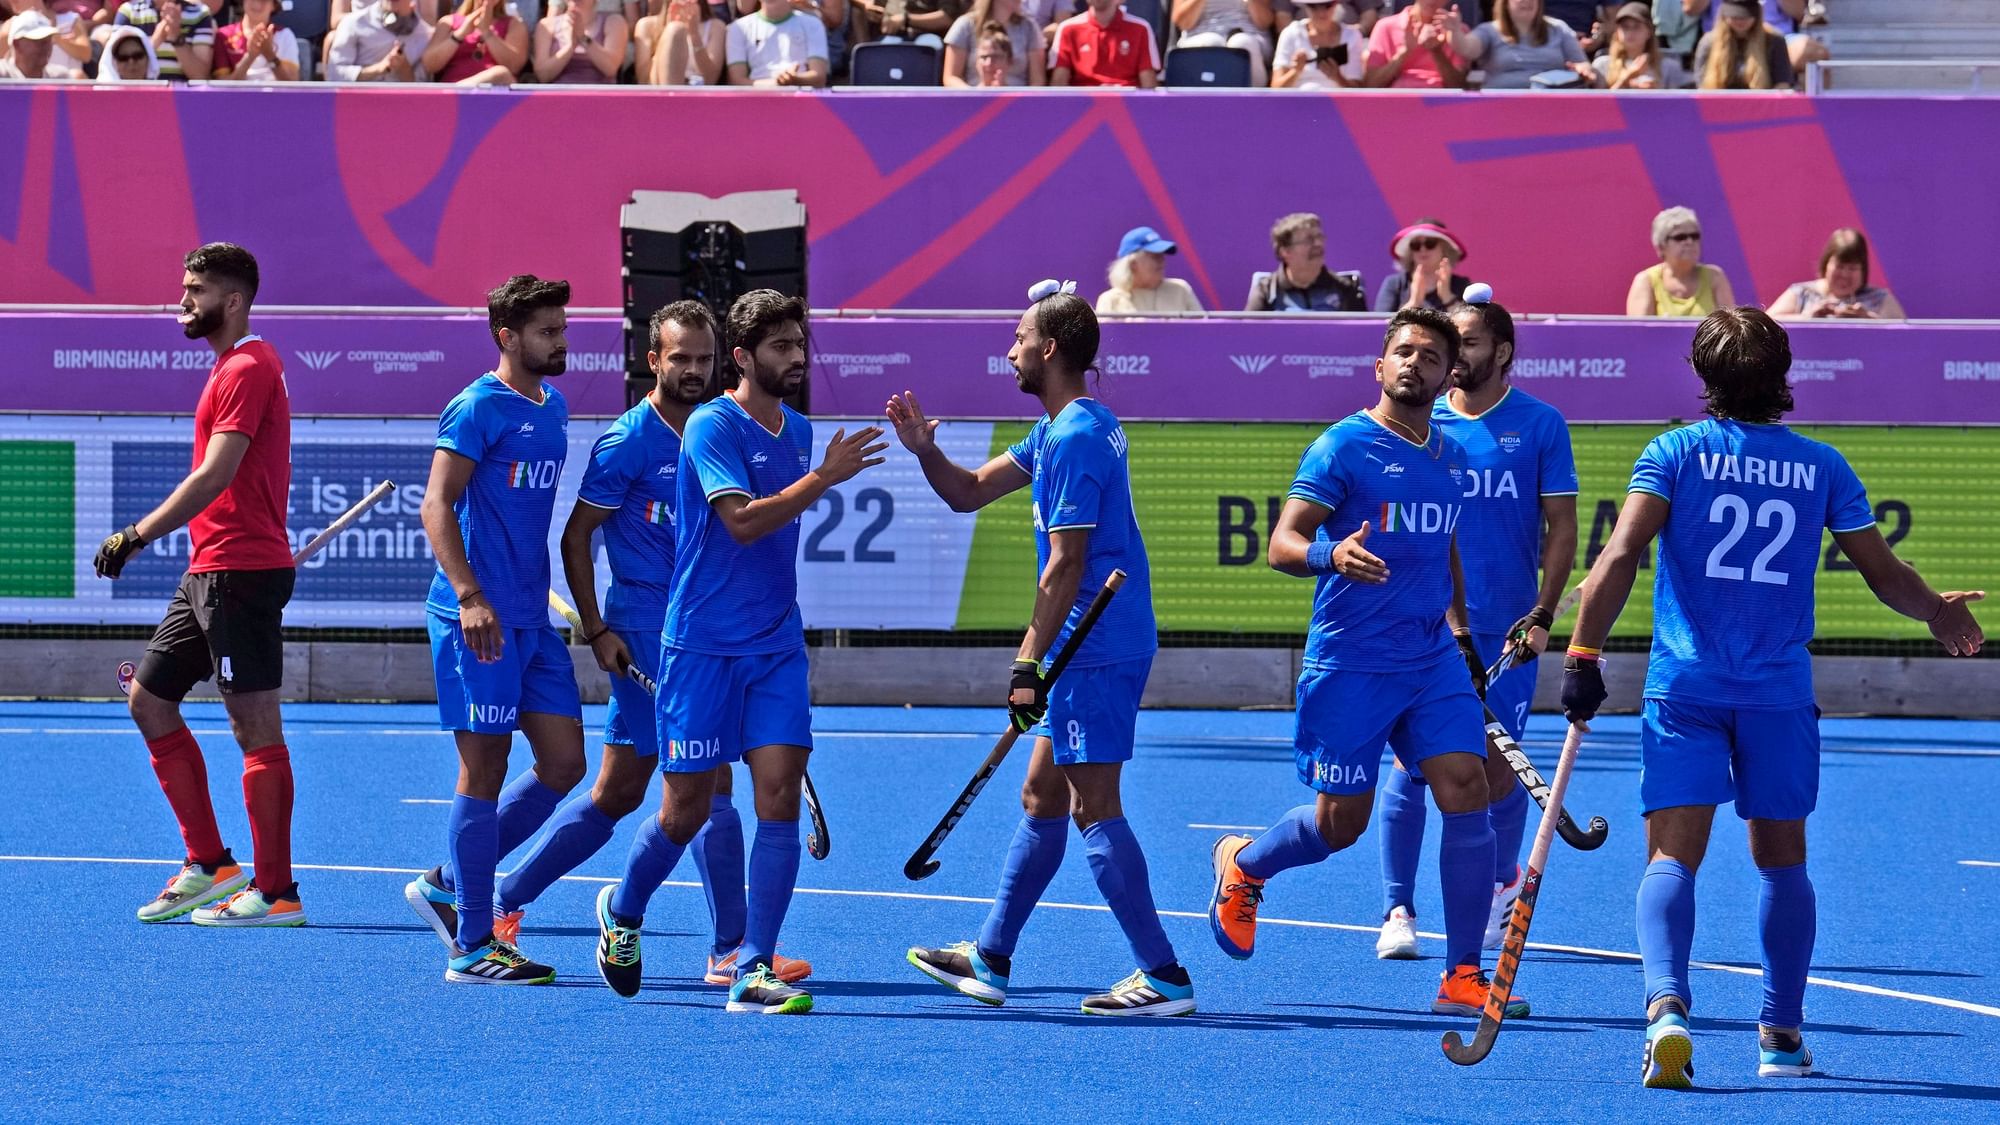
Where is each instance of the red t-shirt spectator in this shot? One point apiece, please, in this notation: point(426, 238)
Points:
point(1420, 69)
point(244, 528)
point(1100, 55)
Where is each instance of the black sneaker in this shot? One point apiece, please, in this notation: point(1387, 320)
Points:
point(496, 962)
point(435, 905)
point(617, 948)
point(961, 966)
point(1142, 994)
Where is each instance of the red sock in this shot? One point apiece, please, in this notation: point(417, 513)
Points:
point(267, 793)
point(184, 778)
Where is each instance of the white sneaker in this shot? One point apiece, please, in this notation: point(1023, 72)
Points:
point(1504, 895)
point(1399, 936)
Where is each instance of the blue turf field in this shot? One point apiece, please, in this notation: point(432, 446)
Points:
point(106, 1018)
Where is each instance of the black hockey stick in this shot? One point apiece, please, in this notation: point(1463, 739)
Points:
point(1502, 990)
point(921, 865)
point(1498, 740)
point(818, 842)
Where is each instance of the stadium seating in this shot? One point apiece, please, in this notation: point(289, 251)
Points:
point(1207, 66)
point(896, 64)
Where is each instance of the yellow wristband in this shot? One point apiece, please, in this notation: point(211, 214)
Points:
point(1581, 650)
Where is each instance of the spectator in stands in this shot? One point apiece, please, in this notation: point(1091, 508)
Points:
point(254, 49)
point(1243, 24)
point(1637, 60)
point(183, 35)
point(1318, 52)
point(1742, 53)
point(1841, 289)
point(685, 45)
point(31, 42)
point(1427, 256)
point(1302, 283)
point(580, 43)
point(69, 37)
point(1028, 55)
point(92, 14)
point(1105, 47)
point(1679, 23)
point(128, 57)
point(832, 15)
point(779, 46)
point(482, 43)
point(338, 10)
point(1139, 281)
point(1421, 46)
point(995, 58)
point(1589, 19)
point(906, 21)
point(1789, 18)
point(1680, 285)
point(381, 42)
point(1523, 45)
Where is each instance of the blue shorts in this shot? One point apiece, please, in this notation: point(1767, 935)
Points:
point(1509, 697)
point(1345, 716)
point(630, 720)
point(533, 673)
point(1767, 762)
point(712, 709)
point(1094, 712)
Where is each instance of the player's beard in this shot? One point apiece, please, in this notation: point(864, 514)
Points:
point(686, 388)
point(205, 323)
point(555, 363)
point(779, 384)
point(1030, 382)
point(1472, 379)
point(1410, 394)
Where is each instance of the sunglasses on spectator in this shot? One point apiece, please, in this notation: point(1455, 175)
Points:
point(1685, 236)
point(129, 56)
point(1425, 243)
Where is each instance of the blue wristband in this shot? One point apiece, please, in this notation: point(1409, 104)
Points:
point(1319, 556)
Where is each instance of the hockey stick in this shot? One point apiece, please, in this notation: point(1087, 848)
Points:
point(920, 864)
point(819, 841)
point(1498, 740)
point(1502, 989)
point(127, 669)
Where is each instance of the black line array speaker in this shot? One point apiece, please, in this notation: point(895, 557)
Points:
point(679, 244)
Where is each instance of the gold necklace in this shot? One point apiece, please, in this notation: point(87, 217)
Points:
point(1405, 432)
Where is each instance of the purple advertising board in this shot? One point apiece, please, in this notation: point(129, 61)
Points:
point(422, 196)
point(1273, 369)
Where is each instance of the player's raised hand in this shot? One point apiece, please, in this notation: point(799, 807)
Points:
point(1954, 626)
point(917, 433)
point(1353, 561)
point(481, 627)
point(848, 454)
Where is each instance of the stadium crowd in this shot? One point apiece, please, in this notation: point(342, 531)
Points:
point(1425, 271)
point(1281, 44)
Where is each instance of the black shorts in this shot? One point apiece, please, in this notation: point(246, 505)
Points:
point(223, 623)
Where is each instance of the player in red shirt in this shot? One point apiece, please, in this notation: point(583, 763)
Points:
point(1105, 47)
point(226, 619)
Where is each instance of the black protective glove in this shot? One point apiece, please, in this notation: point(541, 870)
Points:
point(1027, 674)
point(1583, 688)
point(1517, 635)
point(116, 548)
point(1472, 663)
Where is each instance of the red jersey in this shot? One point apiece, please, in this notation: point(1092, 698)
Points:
point(1097, 55)
point(244, 528)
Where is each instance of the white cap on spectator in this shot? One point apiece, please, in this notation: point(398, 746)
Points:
point(1399, 247)
point(30, 25)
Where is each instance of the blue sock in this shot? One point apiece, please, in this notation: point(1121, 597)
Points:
point(575, 833)
point(1402, 815)
point(1292, 842)
point(1666, 930)
point(1786, 920)
point(1120, 867)
point(524, 807)
point(1032, 861)
point(774, 871)
point(647, 865)
point(1465, 867)
point(718, 855)
point(471, 836)
point(1509, 817)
